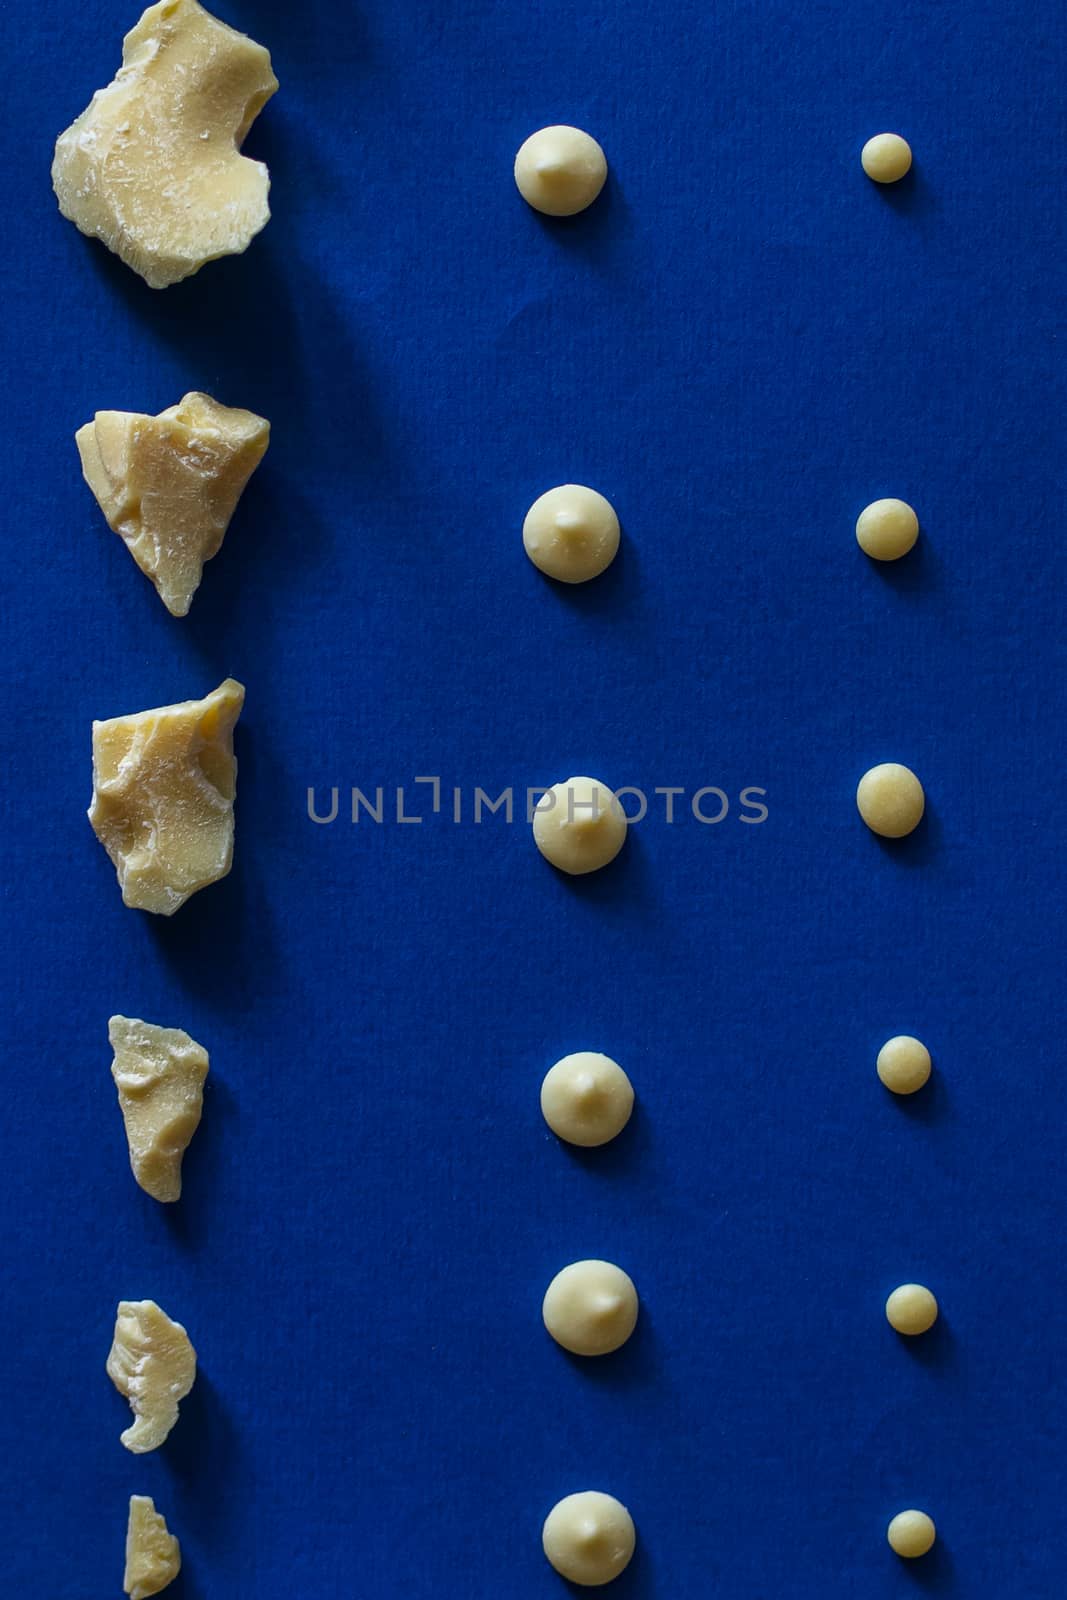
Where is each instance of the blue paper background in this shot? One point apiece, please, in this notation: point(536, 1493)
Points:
point(741, 344)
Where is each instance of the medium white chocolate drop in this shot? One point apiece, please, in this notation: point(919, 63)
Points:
point(886, 158)
point(903, 1064)
point(579, 825)
point(560, 170)
point(911, 1309)
point(586, 1098)
point(589, 1538)
point(590, 1308)
point(887, 529)
point(891, 800)
point(911, 1534)
point(571, 533)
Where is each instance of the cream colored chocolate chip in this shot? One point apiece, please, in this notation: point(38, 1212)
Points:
point(903, 1064)
point(153, 1364)
point(891, 800)
point(168, 485)
point(560, 170)
point(151, 167)
point(586, 1098)
point(153, 1554)
point(886, 158)
point(590, 1308)
point(887, 529)
point(911, 1309)
point(579, 825)
point(911, 1534)
point(571, 533)
point(159, 1074)
point(163, 788)
point(589, 1538)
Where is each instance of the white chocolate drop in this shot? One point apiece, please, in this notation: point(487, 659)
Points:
point(590, 1308)
point(911, 1309)
point(903, 1064)
point(589, 1538)
point(886, 158)
point(911, 1534)
point(579, 826)
point(586, 1098)
point(891, 800)
point(571, 533)
point(887, 529)
point(560, 170)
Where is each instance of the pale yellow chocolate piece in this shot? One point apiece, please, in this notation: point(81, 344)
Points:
point(159, 1074)
point(886, 158)
point(153, 1364)
point(151, 167)
point(887, 529)
point(579, 825)
point(163, 788)
point(571, 533)
point(911, 1534)
point(560, 170)
point(168, 485)
point(590, 1308)
point(589, 1538)
point(911, 1309)
point(891, 800)
point(153, 1554)
point(586, 1098)
point(903, 1064)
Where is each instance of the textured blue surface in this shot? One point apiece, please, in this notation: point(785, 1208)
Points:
point(741, 344)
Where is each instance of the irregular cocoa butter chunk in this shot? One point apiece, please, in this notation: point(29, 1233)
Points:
point(153, 1364)
point(153, 1554)
point(152, 166)
point(163, 788)
point(159, 1074)
point(168, 485)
